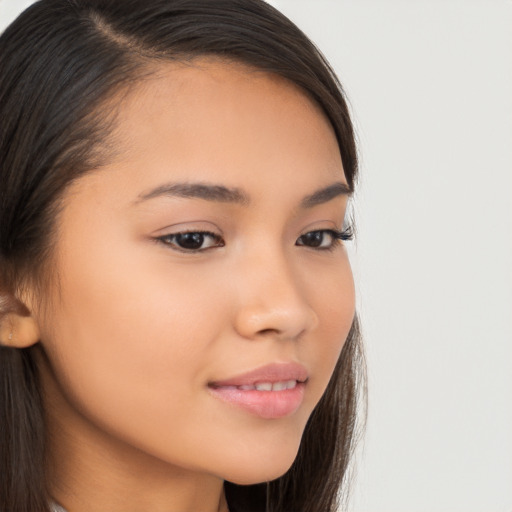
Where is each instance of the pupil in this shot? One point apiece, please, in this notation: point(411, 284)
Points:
point(314, 239)
point(190, 240)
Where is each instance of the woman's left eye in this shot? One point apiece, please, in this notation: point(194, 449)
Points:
point(324, 239)
point(192, 241)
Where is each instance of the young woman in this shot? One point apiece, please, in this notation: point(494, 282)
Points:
point(177, 321)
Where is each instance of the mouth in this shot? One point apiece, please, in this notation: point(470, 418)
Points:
point(262, 386)
point(270, 392)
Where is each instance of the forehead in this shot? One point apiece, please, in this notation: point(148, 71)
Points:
point(211, 102)
point(211, 121)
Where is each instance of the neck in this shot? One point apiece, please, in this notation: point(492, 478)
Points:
point(96, 481)
point(81, 482)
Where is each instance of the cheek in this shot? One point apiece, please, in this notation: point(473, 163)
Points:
point(126, 343)
point(333, 294)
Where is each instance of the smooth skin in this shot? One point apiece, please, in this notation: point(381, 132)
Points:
point(142, 318)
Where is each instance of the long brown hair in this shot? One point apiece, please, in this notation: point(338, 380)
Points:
point(60, 62)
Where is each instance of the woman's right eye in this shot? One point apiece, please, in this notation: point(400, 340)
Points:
point(192, 241)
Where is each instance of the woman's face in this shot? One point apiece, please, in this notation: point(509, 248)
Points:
point(197, 269)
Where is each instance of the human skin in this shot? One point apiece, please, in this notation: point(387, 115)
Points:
point(138, 328)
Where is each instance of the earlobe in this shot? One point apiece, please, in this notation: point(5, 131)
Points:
point(18, 331)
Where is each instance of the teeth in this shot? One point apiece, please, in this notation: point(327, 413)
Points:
point(290, 384)
point(264, 386)
point(269, 386)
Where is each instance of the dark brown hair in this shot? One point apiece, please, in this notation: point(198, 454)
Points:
point(60, 63)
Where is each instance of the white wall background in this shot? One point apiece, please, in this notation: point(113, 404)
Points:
point(430, 83)
point(9, 9)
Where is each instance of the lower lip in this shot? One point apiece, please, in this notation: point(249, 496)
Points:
point(266, 404)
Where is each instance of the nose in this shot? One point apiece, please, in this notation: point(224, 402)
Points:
point(273, 301)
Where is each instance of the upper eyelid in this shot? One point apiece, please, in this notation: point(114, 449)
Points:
point(188, 227)
point(195, 230)
point(335, 230)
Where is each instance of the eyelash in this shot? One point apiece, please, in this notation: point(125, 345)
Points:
point(170, 240)
point(337, 238)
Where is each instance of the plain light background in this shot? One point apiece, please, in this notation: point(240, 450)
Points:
point(430, 86)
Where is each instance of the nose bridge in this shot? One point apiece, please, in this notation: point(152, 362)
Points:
point(272, 299)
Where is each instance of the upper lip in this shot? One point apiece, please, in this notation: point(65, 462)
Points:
point(275, 372)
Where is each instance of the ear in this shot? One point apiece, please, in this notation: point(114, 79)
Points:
point(18, 331)
point(18, 328)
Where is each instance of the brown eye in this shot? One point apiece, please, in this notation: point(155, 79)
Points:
point(312, 239)
point(324, 239)
point(192, 241)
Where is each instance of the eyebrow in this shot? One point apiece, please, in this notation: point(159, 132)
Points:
point(209, 192)
point(220, 193)
point(324, 195)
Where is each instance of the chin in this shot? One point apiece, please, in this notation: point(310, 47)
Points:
point(252, 478)
point(261, 469)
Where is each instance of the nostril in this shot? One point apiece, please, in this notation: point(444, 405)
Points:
point(268, 331)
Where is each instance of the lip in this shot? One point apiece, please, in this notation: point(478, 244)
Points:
point(271, 404)
point(275, 372)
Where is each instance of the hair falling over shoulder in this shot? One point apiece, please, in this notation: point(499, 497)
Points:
point(60, 63)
